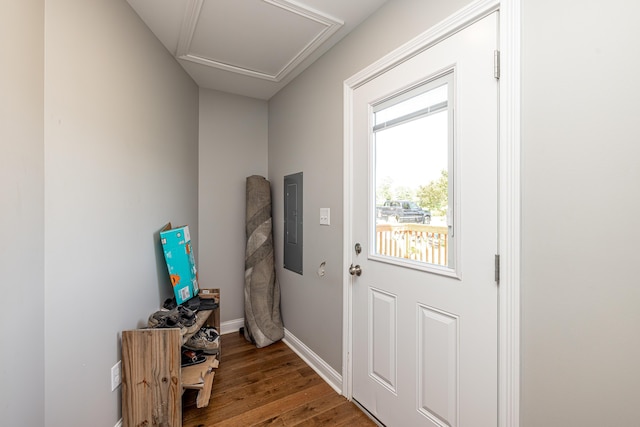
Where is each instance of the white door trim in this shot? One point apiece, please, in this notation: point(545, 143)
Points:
point(509, 190)
point(509, 215)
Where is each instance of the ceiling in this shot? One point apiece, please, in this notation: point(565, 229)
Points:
point(250, 47)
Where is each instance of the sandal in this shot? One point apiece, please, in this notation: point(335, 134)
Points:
point(180, 317)
point(188, 318)
point(191, 357)
point(166, 319)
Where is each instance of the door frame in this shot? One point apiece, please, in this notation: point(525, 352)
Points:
point(509, 192)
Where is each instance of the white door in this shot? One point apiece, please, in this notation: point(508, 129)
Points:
point(424, 314)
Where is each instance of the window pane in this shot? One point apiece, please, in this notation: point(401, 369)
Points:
point(411, 178)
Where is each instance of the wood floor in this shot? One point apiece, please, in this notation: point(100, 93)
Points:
point(269, 386)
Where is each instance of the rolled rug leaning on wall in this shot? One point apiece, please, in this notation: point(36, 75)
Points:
point(262, 317)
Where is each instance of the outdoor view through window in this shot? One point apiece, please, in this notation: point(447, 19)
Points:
point(412, 145)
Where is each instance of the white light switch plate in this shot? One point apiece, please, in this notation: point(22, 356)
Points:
point(325, 216)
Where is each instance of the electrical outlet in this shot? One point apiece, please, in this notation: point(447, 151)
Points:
point(116, 375)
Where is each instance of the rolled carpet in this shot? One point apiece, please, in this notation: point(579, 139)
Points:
point(262, 318)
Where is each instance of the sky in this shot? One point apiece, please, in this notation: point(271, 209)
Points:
point(413, 153)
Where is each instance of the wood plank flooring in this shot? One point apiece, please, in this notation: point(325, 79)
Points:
point(268, 386)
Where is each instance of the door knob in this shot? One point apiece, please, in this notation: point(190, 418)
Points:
point(355, 270)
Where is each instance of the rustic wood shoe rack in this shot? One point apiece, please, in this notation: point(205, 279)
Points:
point(153, 380)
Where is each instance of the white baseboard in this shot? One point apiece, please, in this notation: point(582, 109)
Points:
point(326, 372)
point(119, 423)
point(231, 326)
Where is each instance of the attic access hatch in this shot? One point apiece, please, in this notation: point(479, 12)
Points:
point(293, 222)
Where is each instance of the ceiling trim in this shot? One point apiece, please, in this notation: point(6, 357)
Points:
point(190, 22)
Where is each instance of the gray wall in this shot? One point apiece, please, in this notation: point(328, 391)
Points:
point(233, 146)
point(305, 135)
point(121, 159)
point(22, 213)
point(581, 171)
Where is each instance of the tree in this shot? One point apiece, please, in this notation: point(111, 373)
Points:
point(404, 193)
point(383, 190)
point(435, 195)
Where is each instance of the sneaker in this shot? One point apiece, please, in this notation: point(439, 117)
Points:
point(206, 339)
point(210, 332)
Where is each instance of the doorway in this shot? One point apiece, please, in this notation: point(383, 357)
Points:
point(430, 321)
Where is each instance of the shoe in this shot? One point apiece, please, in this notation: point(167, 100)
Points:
point(158, 317)
point(191, 357)
point(210, 332)
point(206, 340)
point(208, 304)
point(166, 319)
point(188, 318)
point(179, 317)
point(192, 303)
point(170, 303)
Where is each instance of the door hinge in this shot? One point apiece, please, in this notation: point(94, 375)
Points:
point(496, 64)
point(497, 267)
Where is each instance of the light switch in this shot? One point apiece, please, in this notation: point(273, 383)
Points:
point(325, 216)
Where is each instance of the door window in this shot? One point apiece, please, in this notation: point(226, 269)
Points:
point(412, 175)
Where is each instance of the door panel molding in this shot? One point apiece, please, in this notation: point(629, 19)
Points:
point(383, 308)
point(509, 189)
point(441, 329)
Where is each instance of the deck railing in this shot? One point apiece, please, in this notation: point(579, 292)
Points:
point(426, 243)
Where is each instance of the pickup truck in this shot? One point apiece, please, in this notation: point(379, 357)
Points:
point(402, 211)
